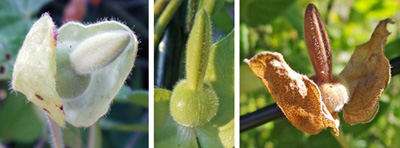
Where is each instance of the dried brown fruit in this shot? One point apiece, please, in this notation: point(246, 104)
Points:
point(312, 104)
point(297, 96)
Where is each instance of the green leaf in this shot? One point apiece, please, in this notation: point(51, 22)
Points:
point(392, 49)
point(223, 21)
point(15, 21)
point(113, 125)
point(220, 74)
point(140, 98)
point(19, 121)
point(257, 12)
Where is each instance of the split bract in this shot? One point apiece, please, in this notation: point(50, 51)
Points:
point(74, 73)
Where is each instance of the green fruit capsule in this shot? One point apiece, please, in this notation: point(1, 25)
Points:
point(198, 49)
point(193, 107)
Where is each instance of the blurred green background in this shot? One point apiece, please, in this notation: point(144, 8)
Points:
point(23, 125)
point(277, 25)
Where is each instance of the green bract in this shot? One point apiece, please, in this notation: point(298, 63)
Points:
point(75, 72)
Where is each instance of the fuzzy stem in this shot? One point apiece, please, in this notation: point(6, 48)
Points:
point(56, 133)
point(164, 20)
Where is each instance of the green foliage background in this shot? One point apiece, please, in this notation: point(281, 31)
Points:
point(276, 25)
point(24, 125)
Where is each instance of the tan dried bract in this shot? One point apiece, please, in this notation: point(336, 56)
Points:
point(367, 75)
point(298, 97)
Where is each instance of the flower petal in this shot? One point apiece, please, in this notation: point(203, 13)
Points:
point(297, 96)
point(367, 75)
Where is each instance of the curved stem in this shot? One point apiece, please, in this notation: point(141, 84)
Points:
point(56, 133)
point(164, 20)
point(159, 5)
point(208, 5)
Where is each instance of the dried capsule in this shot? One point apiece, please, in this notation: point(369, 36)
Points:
point(312, 104)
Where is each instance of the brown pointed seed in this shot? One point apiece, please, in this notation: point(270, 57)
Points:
point(318, 45)
point(367, 75)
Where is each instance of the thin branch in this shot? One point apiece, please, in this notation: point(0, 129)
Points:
point(56, 133)
point(164, 20)
point(159, 6)
point(342, 139)
point(259, 117)
point(272, 111)
point(92, 136)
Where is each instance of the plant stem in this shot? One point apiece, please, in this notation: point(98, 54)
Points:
point(342, 139)
point(92, 136)
point(208, 5)
point(40, 143)
point(164, 20)
point(56, 133)
point(159, 5)
point(190, 14)
point(259, 117)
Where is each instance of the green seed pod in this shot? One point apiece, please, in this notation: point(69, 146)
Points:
point(198, 49)
point(193, 107)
